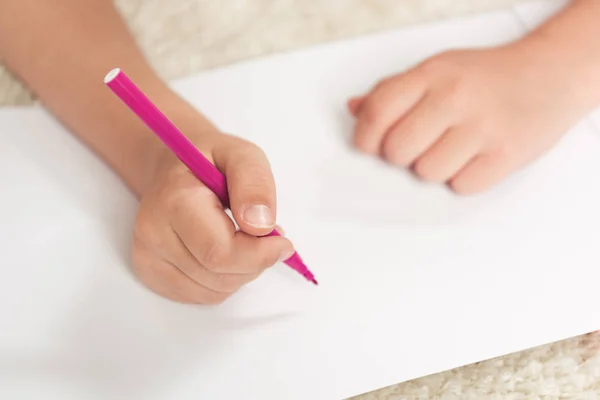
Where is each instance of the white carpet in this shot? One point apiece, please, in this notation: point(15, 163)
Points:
point(185, 36)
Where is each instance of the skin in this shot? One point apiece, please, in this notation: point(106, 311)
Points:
point(184, 245)
point(468, 118)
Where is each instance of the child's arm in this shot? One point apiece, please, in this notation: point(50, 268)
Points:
point(185, 247)
point(472, 117)
point(62, 49)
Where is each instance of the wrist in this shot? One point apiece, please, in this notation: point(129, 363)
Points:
point(562, 49)
point(158, 160)
point(563, 71)
point(136, 154)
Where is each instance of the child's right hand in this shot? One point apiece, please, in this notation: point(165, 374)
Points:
point(186, 248)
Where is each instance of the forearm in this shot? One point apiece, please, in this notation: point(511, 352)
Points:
point(62, 49)
point(568, 45)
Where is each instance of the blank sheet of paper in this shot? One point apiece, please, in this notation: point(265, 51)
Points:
point(414, 280)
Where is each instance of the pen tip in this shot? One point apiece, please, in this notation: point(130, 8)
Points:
point(315, 281)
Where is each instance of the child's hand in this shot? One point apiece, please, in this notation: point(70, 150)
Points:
point(186, 248)
point(468, 118)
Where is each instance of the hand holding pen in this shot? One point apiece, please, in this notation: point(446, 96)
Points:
point(187, 246)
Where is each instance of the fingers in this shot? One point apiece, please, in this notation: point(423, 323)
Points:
point(244, 260)
point(387, 103)
point(180, 257)
point(210, 237)
point(242, 257)
point(354, 104)
point(168, 281)
point(250, 183)
point(254, 254)
point(187, 248)
point(416, 132)
point(424, 130)
point(200, 244)
point(481, 173)
point(198, 218)
point(447, 156)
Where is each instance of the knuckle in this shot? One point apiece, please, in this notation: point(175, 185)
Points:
point(255, 149)
point(457, 186)
point(243, 147)
point(395, 155)
point(251, 166)
point(461, 186)
point(389, 152)
point(371, 111)
point(361, 142)
point(428, 170)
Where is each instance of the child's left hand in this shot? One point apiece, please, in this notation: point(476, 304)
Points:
point(471, 117)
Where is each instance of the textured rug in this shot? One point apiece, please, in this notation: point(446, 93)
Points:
point(181, 37)
point(185, 36)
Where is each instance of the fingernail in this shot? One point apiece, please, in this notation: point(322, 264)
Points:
point(285, 255)
point(259, 216)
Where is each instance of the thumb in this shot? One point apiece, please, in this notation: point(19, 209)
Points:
point(250, 184)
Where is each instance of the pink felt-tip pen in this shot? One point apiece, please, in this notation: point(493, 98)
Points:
point(180, 145)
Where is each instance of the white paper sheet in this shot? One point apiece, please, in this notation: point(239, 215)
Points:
point(413, 279)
